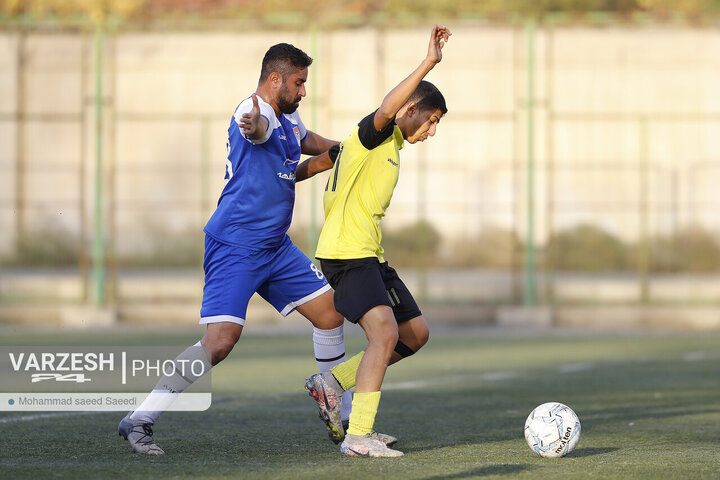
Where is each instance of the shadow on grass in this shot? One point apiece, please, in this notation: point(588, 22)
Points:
point(500, 469)
point(589, 452)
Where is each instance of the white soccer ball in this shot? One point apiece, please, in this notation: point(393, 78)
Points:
point(552, 430)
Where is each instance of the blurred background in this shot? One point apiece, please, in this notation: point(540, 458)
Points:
point(573, 182)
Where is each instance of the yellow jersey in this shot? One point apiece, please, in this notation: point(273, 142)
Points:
point(359, 191)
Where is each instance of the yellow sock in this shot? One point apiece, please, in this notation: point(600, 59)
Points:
point(346, 371)
point(362, 416)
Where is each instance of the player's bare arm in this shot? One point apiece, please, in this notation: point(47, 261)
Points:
point(252, 124)
point(314, 144)
point(398, 96)
point(313, 165)
point(318, 146)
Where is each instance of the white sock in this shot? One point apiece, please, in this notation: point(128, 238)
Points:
point(329, 348)
point(346, 405)
point(170, 386)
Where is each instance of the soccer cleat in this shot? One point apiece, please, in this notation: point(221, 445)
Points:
point(328, 402)
point(366, 446)
point(140, 436)
point(388, 440)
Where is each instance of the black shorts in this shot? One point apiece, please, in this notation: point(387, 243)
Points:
point(363, 283)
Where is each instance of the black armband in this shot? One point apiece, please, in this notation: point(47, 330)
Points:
point(334, 152)
point(403, 350)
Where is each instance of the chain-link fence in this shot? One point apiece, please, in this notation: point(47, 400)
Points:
point(575, 165)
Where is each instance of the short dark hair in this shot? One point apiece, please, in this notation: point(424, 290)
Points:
point(284, 59)
point(427, 97)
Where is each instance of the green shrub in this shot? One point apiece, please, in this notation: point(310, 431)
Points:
point(690, 250)
point(46, 248)
point(413, 245)
point(588, 248)
point(493, 247)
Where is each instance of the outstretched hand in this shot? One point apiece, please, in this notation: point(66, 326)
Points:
point(249, 121)
point(439, 36)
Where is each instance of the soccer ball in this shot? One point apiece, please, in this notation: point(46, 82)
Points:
point(552, 430)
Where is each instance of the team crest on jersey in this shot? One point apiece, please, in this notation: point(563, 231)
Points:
point(296, 131)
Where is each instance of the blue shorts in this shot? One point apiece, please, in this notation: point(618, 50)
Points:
point(283, 276)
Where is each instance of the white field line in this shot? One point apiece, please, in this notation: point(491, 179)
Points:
point(576, 367)
point(410, 385)
point(488, 376)
point(701, 355)
point(43, 416)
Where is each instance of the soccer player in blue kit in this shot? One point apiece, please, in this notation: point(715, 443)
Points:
point(247, 249)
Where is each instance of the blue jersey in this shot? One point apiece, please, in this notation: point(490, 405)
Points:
point(256, 205)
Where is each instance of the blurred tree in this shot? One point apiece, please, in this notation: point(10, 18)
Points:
point(367, 11)
point(415, 244)
point(588, 248)
point(691, 250)
point(492, 247)
point(91, 9)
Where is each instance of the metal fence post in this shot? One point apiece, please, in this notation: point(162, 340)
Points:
point(98, 249)
point(20, 114)
point(644, 243)
point(530, 287)
point(312, 232)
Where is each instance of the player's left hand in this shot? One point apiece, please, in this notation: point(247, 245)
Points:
point(249, 121)
point(439, 36)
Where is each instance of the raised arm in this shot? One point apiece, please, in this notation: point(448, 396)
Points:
point(399, 95)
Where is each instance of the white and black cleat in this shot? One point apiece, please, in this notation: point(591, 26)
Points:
point(140, 437)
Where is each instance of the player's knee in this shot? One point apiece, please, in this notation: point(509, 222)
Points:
point(416, 336)
point(220, 349)
point(389, 336)
point(384, 334)
point(380, 328)
point(423, 335)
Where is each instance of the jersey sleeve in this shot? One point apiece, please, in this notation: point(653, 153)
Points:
point(265, 110)
point(371, 138)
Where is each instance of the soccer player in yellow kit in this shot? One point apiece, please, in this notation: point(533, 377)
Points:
point(367, 290)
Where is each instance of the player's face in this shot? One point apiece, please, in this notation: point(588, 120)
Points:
point(424, 125)
point(291, 91)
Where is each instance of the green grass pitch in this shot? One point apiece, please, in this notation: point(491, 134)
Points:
point(649, 405)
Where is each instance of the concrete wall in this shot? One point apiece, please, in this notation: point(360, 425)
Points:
point(625, 119)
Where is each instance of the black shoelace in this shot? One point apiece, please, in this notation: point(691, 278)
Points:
point(147, 430)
